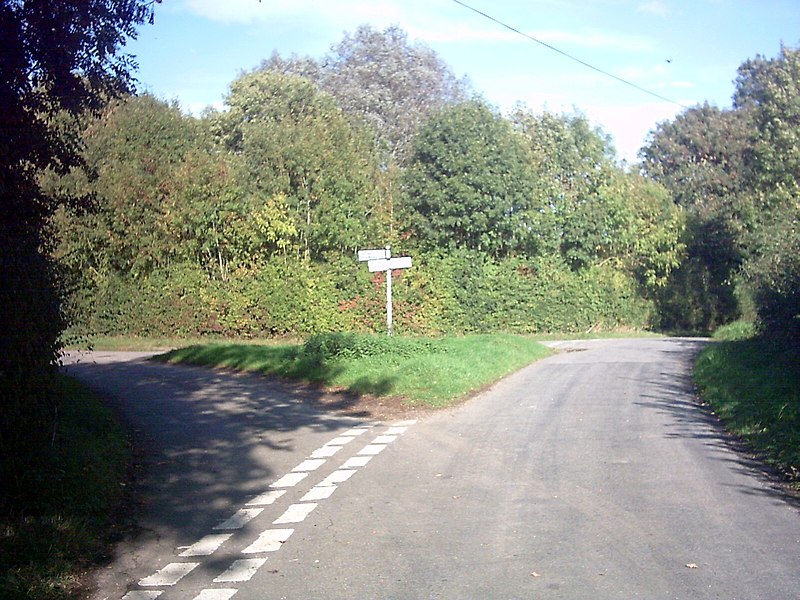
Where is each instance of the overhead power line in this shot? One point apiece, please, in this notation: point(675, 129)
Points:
point(569, 56)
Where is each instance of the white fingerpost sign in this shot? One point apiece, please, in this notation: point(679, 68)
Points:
point(381, 260)
point(378, 254)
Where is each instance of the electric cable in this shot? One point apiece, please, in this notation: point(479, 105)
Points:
point(569, 56)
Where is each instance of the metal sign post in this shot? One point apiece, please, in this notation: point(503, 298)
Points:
point(381, 260)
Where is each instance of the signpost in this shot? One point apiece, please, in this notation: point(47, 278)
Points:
point(381, 260)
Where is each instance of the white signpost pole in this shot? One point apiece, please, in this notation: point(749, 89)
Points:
point(389, 302)
point(381, 260)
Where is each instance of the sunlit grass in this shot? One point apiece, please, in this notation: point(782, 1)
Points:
point(436, 371)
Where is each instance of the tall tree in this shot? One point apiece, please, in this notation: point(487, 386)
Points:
point(571, 161)
point(700, 158)
point(384, 79)
point(133, 149)
point(469, 181)
point(59, 56)
point(769, 89)
point(294, 141)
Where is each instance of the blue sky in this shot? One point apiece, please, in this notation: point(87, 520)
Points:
point(684, 50)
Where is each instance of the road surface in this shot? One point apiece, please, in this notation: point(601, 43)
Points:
point(591, 474)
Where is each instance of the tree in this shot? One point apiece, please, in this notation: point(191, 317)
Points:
point(133, 149)
point(737, 173)
point(770, 91)
point(380, 77)
point(571, 161)
point(700, 158)
point(294, 142)
point(640, 229)
point(216, 223)
point(59, 57)
point(469, 182)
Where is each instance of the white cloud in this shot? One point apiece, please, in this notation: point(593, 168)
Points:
point(629, 125)
point(655, 8)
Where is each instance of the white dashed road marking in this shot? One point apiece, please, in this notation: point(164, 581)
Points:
point(356, 461)
point(371, 449)
point(142, 595)
point(356, 431)
point(241, 570)
point(240, 518)
point(384, 439)
point(396, 430)
point(289, 480)
point(218, 594)
point(310, 465)
point(319, 493)
point(296, 513)
point(266, 498)
point(340, 441)
point(337, 477)
point(270, 540)
point(325, 452)
point(169, 575)
point(207, 545)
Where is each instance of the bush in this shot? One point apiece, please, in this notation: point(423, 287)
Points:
point(457, 293)
point(328, 346)
point(775, 279)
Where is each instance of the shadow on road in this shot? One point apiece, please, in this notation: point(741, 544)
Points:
point(206, 441)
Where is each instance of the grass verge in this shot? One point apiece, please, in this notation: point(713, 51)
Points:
point(753, 385)
point(430, 371)
point(60, 523)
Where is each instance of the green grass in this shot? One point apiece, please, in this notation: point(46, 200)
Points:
point(753, 385)
point(60, 522)
point(736, 331)
point(436, 372)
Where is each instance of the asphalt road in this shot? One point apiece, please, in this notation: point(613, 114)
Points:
point(591, 474)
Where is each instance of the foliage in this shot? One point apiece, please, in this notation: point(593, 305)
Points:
point(753, 385)
point(737, 173)
point(59, 58)
point(699, 157)
point(245, 222)
point(468, 182)
point(736, 331)
point(294, 142)
point(775, 279)
point(570, 160)
point(327, 346)
point(770, 90)
point(383, 80)
point(133, 149)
